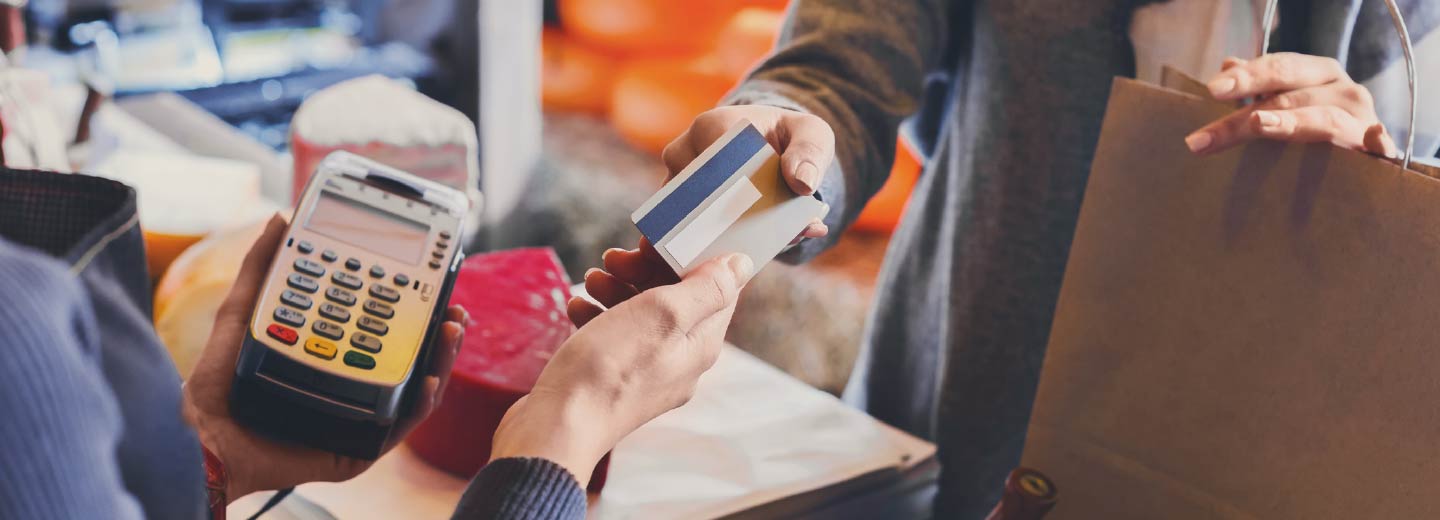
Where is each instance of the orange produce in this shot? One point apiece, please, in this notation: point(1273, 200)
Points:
point(161, 249)
point(575, 78)
point(778, 5)
point(651, 27)
point(655, 99)
point(747, 38)
point(883, 212)
point(192, 289)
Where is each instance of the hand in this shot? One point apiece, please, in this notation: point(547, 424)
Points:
point(252, 461)
point(1301, 99)
point(805, 142)
point(623, 368)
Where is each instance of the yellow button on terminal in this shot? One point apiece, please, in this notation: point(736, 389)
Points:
point(320, 348)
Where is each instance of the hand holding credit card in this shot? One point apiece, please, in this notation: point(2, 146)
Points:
point(730, 199)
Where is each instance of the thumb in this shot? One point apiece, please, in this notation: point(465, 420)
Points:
point(1377, 141)
point(807, 147)
point(252, 270)
point(709, 289)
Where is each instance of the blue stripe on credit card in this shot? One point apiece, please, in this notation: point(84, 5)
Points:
point(670, 212)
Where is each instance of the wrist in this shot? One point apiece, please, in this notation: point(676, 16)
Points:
point(232, 484)
point(565, 430)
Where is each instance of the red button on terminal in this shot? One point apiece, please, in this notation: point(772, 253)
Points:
point(282, 333)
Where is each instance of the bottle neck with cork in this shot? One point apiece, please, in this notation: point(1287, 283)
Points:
point(1029, 495)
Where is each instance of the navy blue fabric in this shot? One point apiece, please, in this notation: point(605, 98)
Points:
point(73, 246)
point(709, 177)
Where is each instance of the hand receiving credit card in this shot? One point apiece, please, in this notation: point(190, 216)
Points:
point(730, 199)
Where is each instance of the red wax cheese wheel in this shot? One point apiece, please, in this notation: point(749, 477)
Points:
point(516, 300)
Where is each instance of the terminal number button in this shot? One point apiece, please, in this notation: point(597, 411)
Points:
point(309, 267)
point(340, 296)
point(295, 299)
point(346, 280)
point(373, 326)
point(334, 312)
point(378, 309)
point(289, 316)
point(385, 293)
point(327, 329)
point(365, 341)
point(299, 281)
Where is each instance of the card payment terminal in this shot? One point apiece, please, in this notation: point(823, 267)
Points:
point(344, 325)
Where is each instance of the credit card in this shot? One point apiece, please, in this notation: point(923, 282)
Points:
point(730, 199)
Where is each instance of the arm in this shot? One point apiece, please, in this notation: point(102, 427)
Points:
point(62, 425)
point(860, 67)
point(622, 368)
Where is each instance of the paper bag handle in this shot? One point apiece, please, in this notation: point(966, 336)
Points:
point(1269, 21)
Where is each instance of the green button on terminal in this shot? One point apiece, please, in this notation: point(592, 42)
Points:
point(359, 360)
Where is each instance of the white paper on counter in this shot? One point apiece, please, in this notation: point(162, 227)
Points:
point(750, 436)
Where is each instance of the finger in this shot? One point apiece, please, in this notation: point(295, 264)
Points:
point(253, 269)
point(1310, 125)
point(678, 154)
point(1379, 142)
point(642, 268)
point(1302, 125)
point(703, 131)
point(705, 291)
point(607, 289)
point(1276, 72)
point(432, 388)
point(425, 404)
point(1229, 63)
point(458, 314)
point(452, 337)
point(630, 266)
point(1352, 97)
point(815, 229)
point(1221, 133)
point(807, 147)
point(581, 311)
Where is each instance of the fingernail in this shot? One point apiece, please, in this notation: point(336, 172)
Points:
point(1267, 119)
point(742, 266)
point(808, 175)
point(1198, 141)
point(1221, 86)
point(589, 272)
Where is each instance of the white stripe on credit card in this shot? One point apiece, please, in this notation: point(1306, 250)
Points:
point(711, 222)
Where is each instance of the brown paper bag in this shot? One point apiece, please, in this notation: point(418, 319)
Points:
point(1254, 334)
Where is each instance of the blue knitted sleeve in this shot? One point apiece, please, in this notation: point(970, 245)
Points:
point(522, 489)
